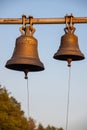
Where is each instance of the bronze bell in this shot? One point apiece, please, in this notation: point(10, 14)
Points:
point(25, 56)
point(69, 48)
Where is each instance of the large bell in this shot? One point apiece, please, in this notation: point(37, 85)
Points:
point(69, 48)
point(25, 56)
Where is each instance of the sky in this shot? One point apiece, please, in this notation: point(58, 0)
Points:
point(47, 89)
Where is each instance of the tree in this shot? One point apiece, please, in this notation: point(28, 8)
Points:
point(52, 128)
point(40, 127)
point(32, 123)
point(11, 115)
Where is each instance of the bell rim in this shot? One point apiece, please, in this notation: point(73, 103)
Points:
point(19, 65)
point(71, 56)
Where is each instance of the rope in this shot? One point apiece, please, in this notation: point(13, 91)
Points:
point(68, 99)
point(27, 98)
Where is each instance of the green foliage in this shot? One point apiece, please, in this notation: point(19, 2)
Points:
point(52, 128)
point(40, 127)
point(32, 124)
point(11, 116)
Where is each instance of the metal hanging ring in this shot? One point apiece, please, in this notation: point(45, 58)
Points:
point(69, 25)
point(31, 28)
point(22, 29)
point(69, 29)
point(23, 21)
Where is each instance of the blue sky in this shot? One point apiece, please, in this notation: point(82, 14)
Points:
point(48, 89)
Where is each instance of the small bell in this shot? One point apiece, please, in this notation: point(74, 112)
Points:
point(25, 55)
point(69, 48)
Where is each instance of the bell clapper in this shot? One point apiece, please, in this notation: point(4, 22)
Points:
point(69, 62)
point(26, 72)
